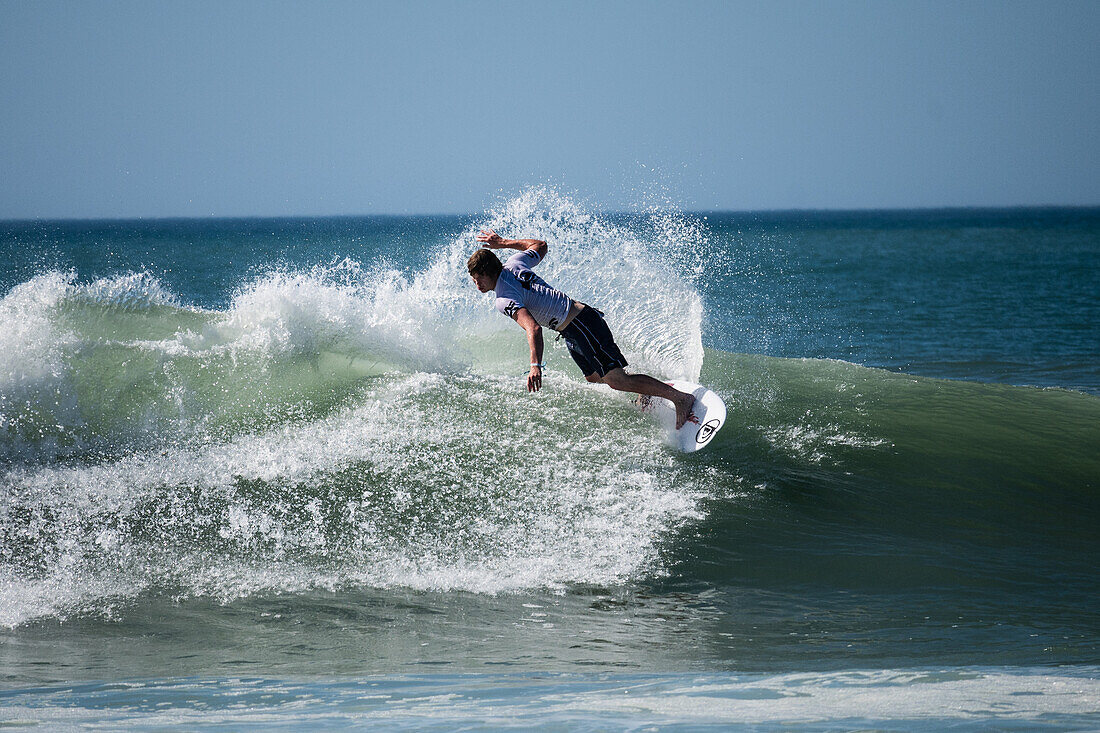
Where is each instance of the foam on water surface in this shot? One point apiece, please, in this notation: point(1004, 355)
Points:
point(911, 700)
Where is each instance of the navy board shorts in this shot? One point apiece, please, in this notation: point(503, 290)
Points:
point(591, 344)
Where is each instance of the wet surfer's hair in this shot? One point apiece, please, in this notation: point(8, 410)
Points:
point(484, 262)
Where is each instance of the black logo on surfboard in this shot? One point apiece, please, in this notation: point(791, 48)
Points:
point(707, 431)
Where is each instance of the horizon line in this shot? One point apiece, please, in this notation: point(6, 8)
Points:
point(606, 212)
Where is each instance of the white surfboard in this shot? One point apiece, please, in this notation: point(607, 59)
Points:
point(707, 416)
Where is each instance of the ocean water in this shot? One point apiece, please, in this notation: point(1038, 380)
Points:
point(284, 475)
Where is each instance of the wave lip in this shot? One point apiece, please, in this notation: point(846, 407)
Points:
point(120, 364)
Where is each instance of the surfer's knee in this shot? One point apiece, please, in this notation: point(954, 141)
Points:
point(617, 379)
point(594, 377)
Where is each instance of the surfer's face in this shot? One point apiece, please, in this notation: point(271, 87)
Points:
point(484, 283)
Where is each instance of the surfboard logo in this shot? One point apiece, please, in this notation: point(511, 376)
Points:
point(707, 431)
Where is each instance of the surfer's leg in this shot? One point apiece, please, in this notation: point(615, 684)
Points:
point(593, 348)
point(646, 385)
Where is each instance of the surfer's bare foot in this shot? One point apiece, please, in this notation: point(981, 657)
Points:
point(683, 405)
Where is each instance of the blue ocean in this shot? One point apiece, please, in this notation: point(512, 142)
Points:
point(284, 474)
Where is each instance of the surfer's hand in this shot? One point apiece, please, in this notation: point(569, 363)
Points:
point(534, 379)
point(490, 239)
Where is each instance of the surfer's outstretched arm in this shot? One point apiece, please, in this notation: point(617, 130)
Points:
point(492, 240)
point(534, 339)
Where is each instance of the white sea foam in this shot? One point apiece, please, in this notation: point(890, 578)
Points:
point(817, 444)
point(132, 291)
point(427, 512)
point(856, 698)
point(29, 342)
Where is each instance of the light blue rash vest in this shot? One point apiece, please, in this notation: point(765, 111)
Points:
point(519, 287)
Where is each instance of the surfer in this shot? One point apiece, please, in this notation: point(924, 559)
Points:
point(526, 298)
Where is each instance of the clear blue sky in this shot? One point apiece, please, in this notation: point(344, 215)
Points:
point(118, 109)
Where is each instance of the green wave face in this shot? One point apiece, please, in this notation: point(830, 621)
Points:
point(859, 479)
